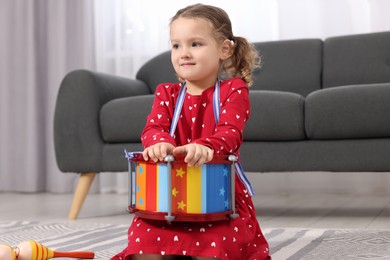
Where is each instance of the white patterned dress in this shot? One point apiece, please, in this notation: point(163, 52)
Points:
point(239, 238)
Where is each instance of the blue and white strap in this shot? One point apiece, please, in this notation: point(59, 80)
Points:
point(241, 175)
point(216, 101)
point(217, 111)
point(178, 107)
point(131, 155)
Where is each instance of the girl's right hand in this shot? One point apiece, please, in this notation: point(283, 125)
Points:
point(195, 154)
point(157, 152)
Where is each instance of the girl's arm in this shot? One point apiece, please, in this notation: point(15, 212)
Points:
point(155, 136)
point(235, 112)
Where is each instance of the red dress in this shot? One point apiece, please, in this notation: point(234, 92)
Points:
point(239, 238)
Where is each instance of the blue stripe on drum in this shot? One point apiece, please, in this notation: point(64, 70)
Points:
point(216, 188)
point(204, 188)
point(162, 193)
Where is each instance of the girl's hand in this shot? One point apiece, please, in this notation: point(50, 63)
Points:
point(157, 152)
point(195, 154)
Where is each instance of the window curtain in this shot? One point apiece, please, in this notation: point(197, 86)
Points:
point(42, 40)
point(128, 33)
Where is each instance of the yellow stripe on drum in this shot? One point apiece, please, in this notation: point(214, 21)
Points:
point(194, 189)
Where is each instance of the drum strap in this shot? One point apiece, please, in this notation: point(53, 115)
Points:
point(180, 101)
point(217, 108)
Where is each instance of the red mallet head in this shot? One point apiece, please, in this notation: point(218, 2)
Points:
point(31, 250)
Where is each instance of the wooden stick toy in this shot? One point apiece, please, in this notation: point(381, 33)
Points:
point(31, 250)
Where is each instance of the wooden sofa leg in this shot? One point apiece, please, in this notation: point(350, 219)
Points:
point(83, 185)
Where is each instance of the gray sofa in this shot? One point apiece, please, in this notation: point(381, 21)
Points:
point(316, 105)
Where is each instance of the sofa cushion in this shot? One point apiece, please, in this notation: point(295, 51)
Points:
point(290, 65)
point(356, 59)
point(123, 119)
point(349, 112)
point(275, 116)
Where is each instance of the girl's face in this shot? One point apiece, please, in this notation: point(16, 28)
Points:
point(196, 55)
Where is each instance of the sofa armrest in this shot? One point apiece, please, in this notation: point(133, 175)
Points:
point(77, 137)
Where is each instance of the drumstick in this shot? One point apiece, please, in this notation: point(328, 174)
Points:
point(7, 252)
point(31, 250)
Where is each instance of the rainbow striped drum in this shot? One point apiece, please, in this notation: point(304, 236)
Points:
point(171, 190)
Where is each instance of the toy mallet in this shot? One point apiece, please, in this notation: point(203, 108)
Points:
point(31, 250)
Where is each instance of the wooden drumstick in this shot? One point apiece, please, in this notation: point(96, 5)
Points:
point(31, 250)
point(7, 253)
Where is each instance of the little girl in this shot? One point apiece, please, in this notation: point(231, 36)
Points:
point(204, 50)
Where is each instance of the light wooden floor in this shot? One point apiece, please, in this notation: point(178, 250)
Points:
point(290, 210)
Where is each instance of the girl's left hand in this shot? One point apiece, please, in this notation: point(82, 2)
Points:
point(195, 154)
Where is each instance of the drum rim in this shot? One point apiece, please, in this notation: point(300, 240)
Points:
point(182, 217)
point(217, 159)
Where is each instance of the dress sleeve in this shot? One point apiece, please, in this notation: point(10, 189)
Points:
point(235, 112)
point(158, 121)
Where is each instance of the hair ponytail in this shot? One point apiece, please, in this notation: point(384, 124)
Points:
point(243, 61)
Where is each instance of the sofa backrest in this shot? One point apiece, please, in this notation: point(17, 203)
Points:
point(157, 70)
point(303, 66)
point(356, 59)
point(289, 65)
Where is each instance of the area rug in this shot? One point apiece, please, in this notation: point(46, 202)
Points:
point(104, 240)
point(107, 239)
point(324, 244)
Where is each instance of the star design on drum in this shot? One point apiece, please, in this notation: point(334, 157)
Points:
point(181, 205)
point(222, 191)
point(174, 192)
point(180, 172)
point(225, 172)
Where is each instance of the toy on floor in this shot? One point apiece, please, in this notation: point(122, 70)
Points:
point(31, 250)
point(7, 252)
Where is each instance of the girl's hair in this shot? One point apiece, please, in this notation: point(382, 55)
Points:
point(244, 59)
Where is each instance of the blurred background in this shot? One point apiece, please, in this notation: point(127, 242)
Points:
point(43, 40)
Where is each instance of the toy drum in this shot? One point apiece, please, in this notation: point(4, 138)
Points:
point(171, 190)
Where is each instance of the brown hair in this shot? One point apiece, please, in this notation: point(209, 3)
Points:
point(244, 58)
